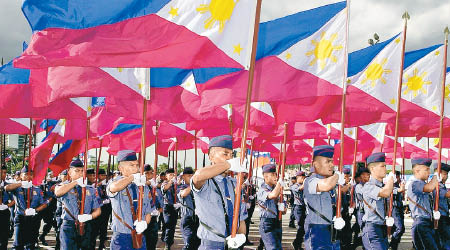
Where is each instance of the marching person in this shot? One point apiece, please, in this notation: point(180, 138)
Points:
point(48, 214)
point(299, 208)
point(5, 203)
point(374, 199)
point(363, 174)
point(70, 193)
point(317, 193)
point(58, 213)
point(123, 192)
point(250, 200)
point(420, 204)
point(170, 209)
point(101, 223)
point(444, 220)
point(268, 196)
point(214, 196)
point(398, 212)
point(189, 221)
point(345, 235)
point(292, 203)
point(151, 233)
point(26, 221)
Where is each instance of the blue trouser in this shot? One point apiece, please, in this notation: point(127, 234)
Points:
point(71, 240)
point(4, 228)
point(318, 236)
point(189, 226)
point(423, 234)
point(399, 227)
point(374, 237)
point(345, 234)
point(211, 245)
point(124, 242)
point(444, 232)
point(100, 225)
point(292, 216)
point(170, 221)
point(270, 231)
point(26, 230)
point(300, 215)
point(151, 233)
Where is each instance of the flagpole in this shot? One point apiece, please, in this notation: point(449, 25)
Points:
point(98, 163)
point(175, 166)
point(283, 166)
point(184, 162)
point(86, 156)
point(155, 162)
point(230, 118)
point(280, 159)
point(195, 149)
point(29, 160)
point(403, 158)
point(355, 151)
point(344, 90)
point(397, 116)
point(108, 170)
point(237, 196)
point(441, 125)
point(250, 172)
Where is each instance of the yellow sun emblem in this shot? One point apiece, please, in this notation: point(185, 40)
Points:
point(323, 50)
point(375, 72)
point(415, 83)
point(221, 11)
point(447, 92)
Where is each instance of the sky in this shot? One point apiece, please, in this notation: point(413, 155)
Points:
point(428, 20)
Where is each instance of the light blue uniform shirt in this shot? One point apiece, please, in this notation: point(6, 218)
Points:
point(359, 196)
point(416, 193)
point(209, 208)
point(5, 195)
point(443, 203)
point(370, 194)
point(271, 209)
point(20, 197)
point(188, 207)
point(320, 201)
point(298, 194)
point(70, 201)
point(121, 206)
point(168, 194)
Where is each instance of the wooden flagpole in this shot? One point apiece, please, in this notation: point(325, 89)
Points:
point(175, 169)
point(29, 160)
point(155, 162)
point(250, 173)
point(98, 163)
point(441, 125)
point(237, 196)
point(355, 151)
point(397, 117)
point(86, 156)
point(195, 150)
point(283, 166)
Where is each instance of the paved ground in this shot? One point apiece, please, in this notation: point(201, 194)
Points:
point(288, 236)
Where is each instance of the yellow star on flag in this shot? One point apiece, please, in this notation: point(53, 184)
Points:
point(437, 53)
point(237, 49)
point(397, 40)
point(120, 69)
point(173, 11)
point(140, 86)
point(393, 101)
point(288, 56)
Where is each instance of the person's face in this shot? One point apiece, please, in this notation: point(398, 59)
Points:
point(28, 176)
point(324, 166)
point(378, 170)
point(170, 176)
point(293, 180)
point(127, 168)
point(421, 172)
point(187, 178)
point(219, 155)
point(347, 178)
point(163, 177)
point(149, 174)
point(91, 178)
point(101, 177)
point(75, 173)
point(63, 177)
point(3, 174)
point(300, 179)
point(444, 176)
point(270, 178)
point(365, 177)
point(398, 178)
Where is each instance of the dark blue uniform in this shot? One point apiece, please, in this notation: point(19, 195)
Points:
point(48, 214)
point(151, 233)
point(270, 226)
point(399, 218)
point(170, 214)
point(299, 213)
point(345, 235)
point(4, 217)
point(100, 224)
point(444, 221)
point(189, 221)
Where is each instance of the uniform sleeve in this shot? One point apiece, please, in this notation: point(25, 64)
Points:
point(371, 191)
point(109, 193)
point(417, 187)
point(243, 214)
point(96, 201)
point(148, 204)
point(203, 190)
point(262, 195)
point(311, 185)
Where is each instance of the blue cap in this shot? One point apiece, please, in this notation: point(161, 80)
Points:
point(147, 167)
point(17, 172)
point(77, 163)
point(223, 141)
point(269, 168)
point(376, 157)
point(188, 170)
point(421, 161)
point(126, 155)
point(324, 150)
point(445, 167)
point(346, 170)
point(101, 171)
point(300, 173)
point(64, 172)
point(90, 171)
point(170, 171)
point(24, 169)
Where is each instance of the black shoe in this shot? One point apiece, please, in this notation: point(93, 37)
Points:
point(292, 225)
point(42, 240)
point(294, 245)
point(248, 243)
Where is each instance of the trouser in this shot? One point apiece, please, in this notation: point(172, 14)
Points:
point(211, 245)
point(100, 226)
point(70, 238)
point(26, 229)
point(189, 226)
point(249, 217)
point(270, 231)
point(375, 236)
point(423, 234)
point(444, 232)
point(59, 221)
point(170, 221)
point(292, 216)
point(300, 215)
point(345, 234)
point(121, 241)
point(399, 227)
point(318, 236)
point(4, 228)
point(48, 216)
point(151, 234)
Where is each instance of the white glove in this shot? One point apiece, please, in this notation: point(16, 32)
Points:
point(26, 184)
point(176, 205)
point(235, 165)
point(389, 221)
point(84, 217)
point(236, 242)
point(404, 203)
point(341, 179)
point(140, 226)
point(30, 212)
point(351, 210)
point(281, 207)
point(352, 182)
point(392, 175)
point(107, 201)
point(281, 182)
point(436, 215)
point(3, 207)
point(139, 179)
point(251, 197)
point(438, 177)
point(153, 183)
point(246, 182)
point(339, 223)
point(81, 183)
point(155, 213)
point(103, 182)
point(248, 205)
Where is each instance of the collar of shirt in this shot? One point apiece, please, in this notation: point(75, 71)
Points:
point(375, 182)
point(266, 186)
